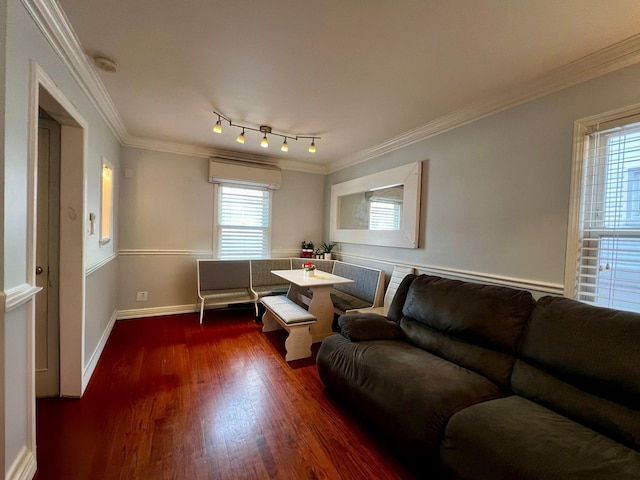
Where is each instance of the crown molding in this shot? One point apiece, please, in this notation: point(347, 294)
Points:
point(56, 28)
point(601, 62)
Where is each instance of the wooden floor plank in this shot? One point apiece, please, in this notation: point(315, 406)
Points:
point(173, 399)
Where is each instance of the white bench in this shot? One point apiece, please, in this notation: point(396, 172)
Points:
point(281, 312)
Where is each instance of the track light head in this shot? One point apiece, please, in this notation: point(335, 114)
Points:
point(265, 141)
point(240, 138)
point(217, 128)
point(312, 147)
point(284, 147)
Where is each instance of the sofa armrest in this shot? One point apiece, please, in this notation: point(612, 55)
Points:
point(368, 326)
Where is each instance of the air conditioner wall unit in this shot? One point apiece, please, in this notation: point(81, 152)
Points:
point(234, 172)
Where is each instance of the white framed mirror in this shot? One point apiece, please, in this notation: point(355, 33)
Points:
point(378, 209)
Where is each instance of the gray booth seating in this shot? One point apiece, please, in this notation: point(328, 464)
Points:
point(230, 284)
point(321, 264)
point(263, 282)
point(367, 289)
point(482, 382)
point(224, 282)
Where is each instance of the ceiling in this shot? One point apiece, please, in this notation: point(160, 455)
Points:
point(357, 73)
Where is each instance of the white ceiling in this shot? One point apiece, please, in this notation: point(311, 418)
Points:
point(358, 73)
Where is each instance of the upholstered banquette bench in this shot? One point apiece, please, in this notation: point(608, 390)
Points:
point(281, 312)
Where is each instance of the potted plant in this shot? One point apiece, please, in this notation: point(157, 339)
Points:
point(307, 249)
point(327, 248)
point(309, 269)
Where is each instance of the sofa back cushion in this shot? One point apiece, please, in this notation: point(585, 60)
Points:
point(473, 325)
point(583, 362)
point(321, 264)
point(261, 271)
point(368, 283)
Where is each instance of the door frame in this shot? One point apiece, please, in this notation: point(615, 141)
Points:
point(73, 159)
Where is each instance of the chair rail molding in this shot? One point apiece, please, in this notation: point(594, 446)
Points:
point(480, 277)
point(20, 295)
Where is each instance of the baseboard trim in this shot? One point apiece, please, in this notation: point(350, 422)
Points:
point(480, 277)
point(24, 467)
point(155, 311)
point(93, 361)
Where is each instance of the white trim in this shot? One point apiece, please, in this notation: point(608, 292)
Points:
point(93, 361)
point(573, 222)
point(479, 277)
point(601, 62)
point(54, 25)
point(56, 28)
point(156, 311)
point(19, 295)
point(580, 129)
point(97, 266)
point(24, 467)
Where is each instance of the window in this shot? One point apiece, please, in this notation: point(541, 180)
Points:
point(609, 236)
point(106, 214)
point(243, 222)
point(384, 215)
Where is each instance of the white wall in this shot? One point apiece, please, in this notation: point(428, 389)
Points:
point(26, 46)
point(166, 223)
point(496, 192)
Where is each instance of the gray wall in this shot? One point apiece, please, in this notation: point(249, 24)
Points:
point(496, 192)
point(166, 223)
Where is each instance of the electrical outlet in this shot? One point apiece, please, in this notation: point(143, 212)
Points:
point(142, 296)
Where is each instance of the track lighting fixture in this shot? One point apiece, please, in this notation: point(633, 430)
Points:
point(265, 130)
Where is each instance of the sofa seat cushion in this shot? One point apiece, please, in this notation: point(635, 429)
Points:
point(407, 394)
point(265, 290)
point(514, 438)
point(343, 301)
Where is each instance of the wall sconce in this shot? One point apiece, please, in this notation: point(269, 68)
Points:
point(265, 130)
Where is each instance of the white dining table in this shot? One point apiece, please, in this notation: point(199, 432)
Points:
point(321, 305)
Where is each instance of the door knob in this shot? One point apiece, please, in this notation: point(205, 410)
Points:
point(39, 270)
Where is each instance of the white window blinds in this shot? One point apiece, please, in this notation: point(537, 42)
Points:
point(243, 222)
point(609, 256)
point(384, 216)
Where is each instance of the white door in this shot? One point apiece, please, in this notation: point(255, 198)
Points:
point(47, 325)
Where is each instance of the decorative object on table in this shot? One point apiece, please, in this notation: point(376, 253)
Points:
point(307, 249)
point(309, 269)
point(327, 248)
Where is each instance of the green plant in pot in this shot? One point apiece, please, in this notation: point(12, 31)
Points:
point(327, 248)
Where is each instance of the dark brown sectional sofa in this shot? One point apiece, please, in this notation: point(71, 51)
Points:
point(475, 381)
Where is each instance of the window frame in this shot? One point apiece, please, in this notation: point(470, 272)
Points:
point(582, 129)
point(216, 247)
point(107, 188)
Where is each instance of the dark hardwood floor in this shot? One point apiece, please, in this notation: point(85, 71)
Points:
point(171, 399)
